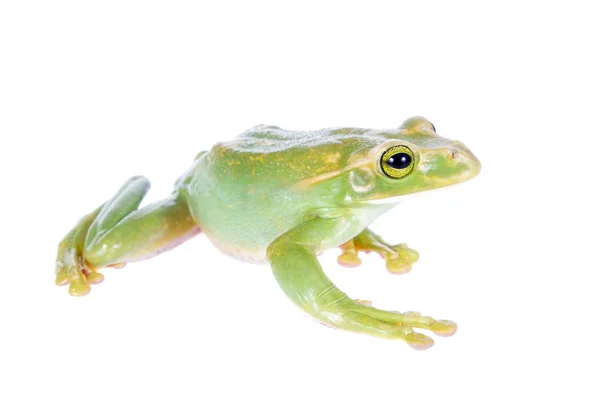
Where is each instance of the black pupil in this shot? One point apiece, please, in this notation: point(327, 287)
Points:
point(399, 161)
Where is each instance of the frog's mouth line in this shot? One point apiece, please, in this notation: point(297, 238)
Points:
point(397, 199)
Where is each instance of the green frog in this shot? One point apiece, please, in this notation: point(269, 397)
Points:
point(282, 197)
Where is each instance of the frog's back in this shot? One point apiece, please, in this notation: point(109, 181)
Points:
point(294, 155)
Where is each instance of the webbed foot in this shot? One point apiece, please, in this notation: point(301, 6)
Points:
point(397, 325)
point(79, 276)
point(398, 258)
point(71, 268)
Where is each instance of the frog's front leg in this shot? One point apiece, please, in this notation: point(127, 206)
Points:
point(118, 232)
point(398, 258)
point(298, 272)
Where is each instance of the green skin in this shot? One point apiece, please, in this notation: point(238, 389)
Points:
point(282, 197)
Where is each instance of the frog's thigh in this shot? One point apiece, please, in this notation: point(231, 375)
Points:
point(298, 272)
point(120, 234)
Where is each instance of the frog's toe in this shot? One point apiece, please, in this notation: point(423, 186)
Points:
point(405, 253)
point(94, 278)
point(440, 327)
point(444, 328)
point(416, 340)
point(91, 274)
point(398, 266)
point(407, 321)
point(401, 259)
point(77, 275)
point(349, 256)
point(419, 341)
point(62, 278)
point(79, 288)
point(117, 265)
point(349, 260)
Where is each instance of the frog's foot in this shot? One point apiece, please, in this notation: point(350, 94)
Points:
point(396, 325)
point(79, 277)
point(398, 258)
point(70, 267)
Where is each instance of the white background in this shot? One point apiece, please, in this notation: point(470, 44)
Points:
point(92, 93)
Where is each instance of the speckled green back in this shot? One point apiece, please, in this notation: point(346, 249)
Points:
point(266, 153)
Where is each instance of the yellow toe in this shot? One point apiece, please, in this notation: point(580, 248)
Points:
point(94, 278)
point(418, 341)
point(397, 266)
point(79, 288)
point(444, 328)
point(349, 260)
point(61, 279)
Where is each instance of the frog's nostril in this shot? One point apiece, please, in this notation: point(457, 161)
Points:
point(452, 154)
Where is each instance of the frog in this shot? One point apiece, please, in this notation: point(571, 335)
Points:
point(279, 197)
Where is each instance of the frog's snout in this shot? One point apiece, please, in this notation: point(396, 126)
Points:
point(462, 155)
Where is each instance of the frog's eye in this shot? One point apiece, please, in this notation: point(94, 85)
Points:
point(397, 161)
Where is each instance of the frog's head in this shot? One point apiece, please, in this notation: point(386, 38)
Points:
point(411, 159)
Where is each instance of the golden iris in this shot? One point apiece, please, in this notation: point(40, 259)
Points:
point(397, 161)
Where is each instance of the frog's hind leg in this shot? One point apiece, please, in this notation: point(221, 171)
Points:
point(298, 272)
point(118, 232)
point(398, 258)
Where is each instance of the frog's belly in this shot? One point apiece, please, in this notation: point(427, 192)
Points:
point(244, 241)
point(249, 255)
point(245, 229)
